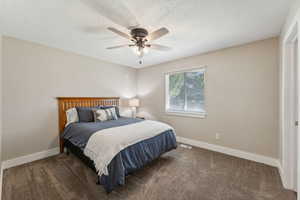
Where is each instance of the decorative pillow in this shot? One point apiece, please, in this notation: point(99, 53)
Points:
point(116, 109)
point(111, 113)
point(86, 114)
point(72, 116)
point(101, 115)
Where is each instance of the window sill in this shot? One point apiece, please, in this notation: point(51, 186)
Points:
point(187, 114)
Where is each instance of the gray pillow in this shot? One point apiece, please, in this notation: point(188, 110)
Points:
point(86, 114)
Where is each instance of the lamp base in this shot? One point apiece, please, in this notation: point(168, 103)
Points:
point(133, 112)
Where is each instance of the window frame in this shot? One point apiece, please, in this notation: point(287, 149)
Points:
point(184, 113)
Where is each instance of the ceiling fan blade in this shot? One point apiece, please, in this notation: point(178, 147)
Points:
point(160, 47)
point(158, 33)
point(114, 10)
point(119, 33)
point(119, 46)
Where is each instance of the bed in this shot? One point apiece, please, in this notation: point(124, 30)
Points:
point(79, 138)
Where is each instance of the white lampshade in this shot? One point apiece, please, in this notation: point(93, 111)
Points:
point(134, 102)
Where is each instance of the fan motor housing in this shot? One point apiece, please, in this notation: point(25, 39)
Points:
point(139, 33)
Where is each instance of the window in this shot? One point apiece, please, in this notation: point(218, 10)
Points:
point(185, 93)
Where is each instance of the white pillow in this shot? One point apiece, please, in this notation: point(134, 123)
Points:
point(100, 115)
point(72, 116)
point(111, 113)
point(105, 114)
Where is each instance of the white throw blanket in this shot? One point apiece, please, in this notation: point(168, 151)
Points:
point(105, 144)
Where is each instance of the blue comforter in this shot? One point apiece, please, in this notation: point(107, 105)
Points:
point(129, 159)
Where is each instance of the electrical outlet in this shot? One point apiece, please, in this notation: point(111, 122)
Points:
point(217, 136)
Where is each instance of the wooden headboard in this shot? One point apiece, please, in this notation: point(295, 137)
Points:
point(64, 103)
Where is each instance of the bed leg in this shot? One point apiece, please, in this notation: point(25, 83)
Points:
point(98, 181)
point(61, 145)
point(68, 152)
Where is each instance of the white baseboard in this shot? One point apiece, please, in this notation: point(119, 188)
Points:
point(1, 179)
point(281, 173)
point(229, 151)
point(29, 158)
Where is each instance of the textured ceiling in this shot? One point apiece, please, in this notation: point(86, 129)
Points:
point(196, 26)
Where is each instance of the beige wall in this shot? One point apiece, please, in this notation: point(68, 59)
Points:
point(0, 114)
point(241, 97)
point(0, 101)
point(34, 75)
point(241, 94)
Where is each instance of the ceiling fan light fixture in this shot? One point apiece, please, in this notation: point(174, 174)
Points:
point(139, 53)
point(146, 50)
point(139, 50)
point(140, 38)
point(135, 50)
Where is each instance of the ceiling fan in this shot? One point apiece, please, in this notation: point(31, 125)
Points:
point(117, 12)
point(140, 38)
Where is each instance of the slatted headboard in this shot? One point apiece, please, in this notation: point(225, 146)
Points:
point(64, 103)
